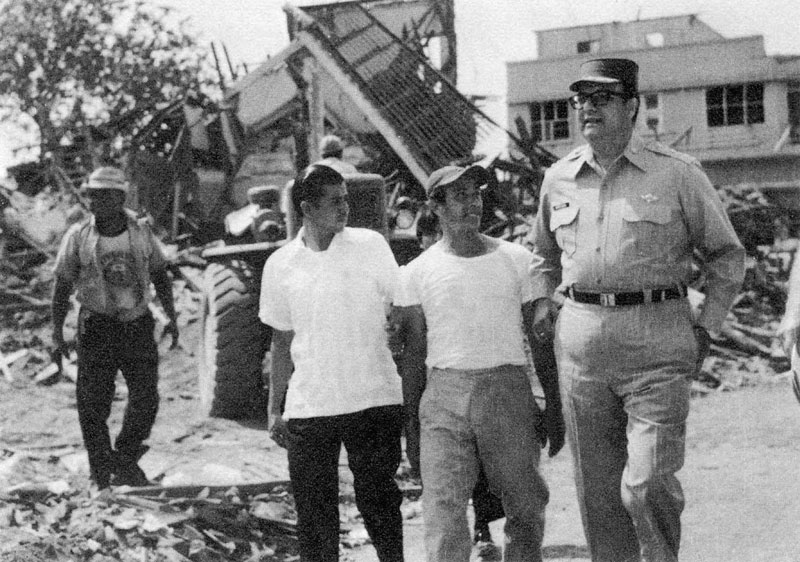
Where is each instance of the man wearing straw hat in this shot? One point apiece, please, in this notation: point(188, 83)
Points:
point(110, 260)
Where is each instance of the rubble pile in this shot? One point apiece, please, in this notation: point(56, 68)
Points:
point(51, 521)
point(33, 225)
point(249, 523)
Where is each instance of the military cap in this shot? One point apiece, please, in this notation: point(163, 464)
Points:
point(609, 71)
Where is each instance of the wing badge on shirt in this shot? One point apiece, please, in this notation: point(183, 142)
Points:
point(649, 198)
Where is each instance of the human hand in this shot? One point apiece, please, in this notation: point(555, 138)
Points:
point(278, 430)
point(61, 349)
point(171, 329)
point(551, 429)
point(543, 320)
point(394, 334)
point(703, 345)
point(788, 339)
point(412, 431)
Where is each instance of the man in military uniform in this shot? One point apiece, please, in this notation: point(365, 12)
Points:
point(618, 224)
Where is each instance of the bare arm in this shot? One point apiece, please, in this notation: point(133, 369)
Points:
point(544, 362)
point(415, 350)
point(163, 285)
point(61, 293)
point(412, 329)
point(282, 368)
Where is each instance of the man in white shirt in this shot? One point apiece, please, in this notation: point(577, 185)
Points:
point(325, 294)
point(464, 307)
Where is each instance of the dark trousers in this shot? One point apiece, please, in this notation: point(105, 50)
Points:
point(105, 346)
point(488, 506)
point(372, 440)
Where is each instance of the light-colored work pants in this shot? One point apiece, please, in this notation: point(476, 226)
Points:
point(624, 374)
point(488, 416)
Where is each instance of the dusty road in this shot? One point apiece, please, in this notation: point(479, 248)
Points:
point(741, 478)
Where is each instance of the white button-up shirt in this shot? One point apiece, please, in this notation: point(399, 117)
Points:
point(335, 301)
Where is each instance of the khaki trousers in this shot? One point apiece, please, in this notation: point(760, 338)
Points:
point(487, 416)
point(624, 375)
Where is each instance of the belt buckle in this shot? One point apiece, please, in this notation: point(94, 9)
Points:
point(607, 299)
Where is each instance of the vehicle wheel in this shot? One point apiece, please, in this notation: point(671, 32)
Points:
point(233, 343)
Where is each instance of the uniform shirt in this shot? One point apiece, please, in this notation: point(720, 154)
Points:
point(335, 301)
point(111, 274)
point(472, 306)
point(635, 227)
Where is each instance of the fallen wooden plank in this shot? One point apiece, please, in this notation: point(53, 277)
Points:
point(27, 298)
point(50, 447)
point(134, 501)
point(249, 489)
point(745, 342)
point(47, 373)
point(15, 306)
point(7, 360)
point(727, 352)
point(753, 330)
point(193, 277)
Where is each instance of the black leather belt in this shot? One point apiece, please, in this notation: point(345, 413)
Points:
point(626, 299)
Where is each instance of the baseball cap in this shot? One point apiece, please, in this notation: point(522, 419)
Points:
point(608, 71)
point(448, 174)
point(107, 177)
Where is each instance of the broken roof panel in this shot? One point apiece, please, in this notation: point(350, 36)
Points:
point(436, 122)
point(370, 80)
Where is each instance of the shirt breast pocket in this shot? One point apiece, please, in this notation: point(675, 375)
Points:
point(564, 224)
point(649, 227)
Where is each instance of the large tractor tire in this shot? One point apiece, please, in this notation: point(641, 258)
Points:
point(233, 345)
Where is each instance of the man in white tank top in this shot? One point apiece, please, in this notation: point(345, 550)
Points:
point(464, 307)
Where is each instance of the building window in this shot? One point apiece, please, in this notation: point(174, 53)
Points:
point(793, 103)
point(655, 39)
point(550, 120)
point(735, 104)
point(651, 112)
point(588, 47)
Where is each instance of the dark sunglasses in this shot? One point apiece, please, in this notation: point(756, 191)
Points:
point(599, 98)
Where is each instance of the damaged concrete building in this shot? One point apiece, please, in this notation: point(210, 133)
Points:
point(724, 101)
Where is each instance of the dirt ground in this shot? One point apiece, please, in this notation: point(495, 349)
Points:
point(740, 478)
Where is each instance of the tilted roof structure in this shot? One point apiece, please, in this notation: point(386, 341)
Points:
point(422, 115)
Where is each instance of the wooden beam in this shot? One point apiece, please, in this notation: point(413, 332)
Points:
point(251, 489)
point(315, 99)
